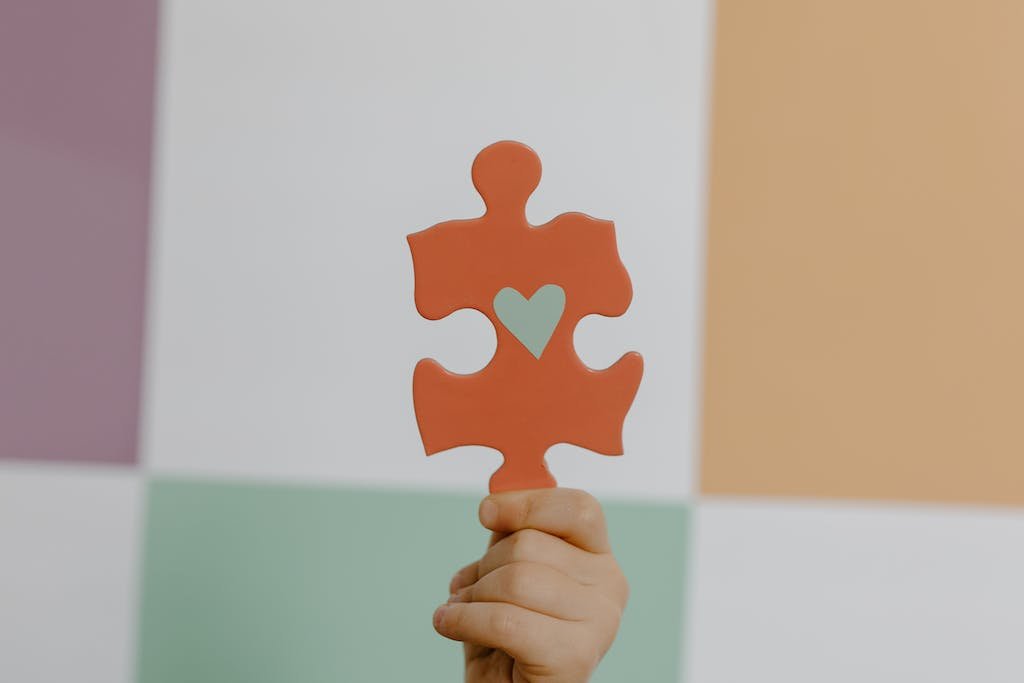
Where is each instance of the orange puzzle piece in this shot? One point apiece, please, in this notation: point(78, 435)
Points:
point(534, 284)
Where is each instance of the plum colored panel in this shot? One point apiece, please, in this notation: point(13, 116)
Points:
point(76, 103)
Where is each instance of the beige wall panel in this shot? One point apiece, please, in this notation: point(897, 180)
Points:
point(865, 318)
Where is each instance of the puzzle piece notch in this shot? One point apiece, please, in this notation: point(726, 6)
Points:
point(521, 404)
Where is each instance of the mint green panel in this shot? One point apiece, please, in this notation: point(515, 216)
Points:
point(271, 584)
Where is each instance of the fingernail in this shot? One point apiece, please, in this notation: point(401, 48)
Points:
point(488, 512)
point(439, 615)
point(454, 584)
point(458, 596)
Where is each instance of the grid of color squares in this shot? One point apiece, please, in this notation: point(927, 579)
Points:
point(209, 465)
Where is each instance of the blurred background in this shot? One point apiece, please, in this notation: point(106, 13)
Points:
point(209, 464)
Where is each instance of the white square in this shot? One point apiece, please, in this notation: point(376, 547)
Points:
point(844, 593)
point(68, 574)
point(299, 143)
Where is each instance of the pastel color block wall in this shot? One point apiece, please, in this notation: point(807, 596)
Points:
point(209, 464)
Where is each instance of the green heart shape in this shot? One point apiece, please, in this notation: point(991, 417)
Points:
point(532, 321)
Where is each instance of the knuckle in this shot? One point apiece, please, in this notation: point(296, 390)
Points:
point(586, 509)
point(525, 512)
point(624, 589)
point(618, 583)
point(463, 577)
point(517, 580)
point(615, 613)
point(583, 657)
point(523, 544)
point(505, 624)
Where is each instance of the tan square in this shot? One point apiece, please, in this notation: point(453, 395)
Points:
point(865, 325)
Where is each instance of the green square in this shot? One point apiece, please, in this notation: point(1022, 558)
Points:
point(249, 583)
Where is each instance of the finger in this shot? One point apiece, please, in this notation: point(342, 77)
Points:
point(464, 577)
point(530, 545)
point(536, 587)
point(495, 537)
point(570, 514)
point(517, 631)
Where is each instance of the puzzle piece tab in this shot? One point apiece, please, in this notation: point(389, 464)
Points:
point(534, 284)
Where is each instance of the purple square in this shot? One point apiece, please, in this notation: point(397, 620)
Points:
point(76, 115)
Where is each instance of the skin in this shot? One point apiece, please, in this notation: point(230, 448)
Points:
point(544, 602)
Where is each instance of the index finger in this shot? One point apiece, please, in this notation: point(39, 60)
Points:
point(570, 514)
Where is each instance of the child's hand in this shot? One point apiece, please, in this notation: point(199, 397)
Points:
point(544, 602)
